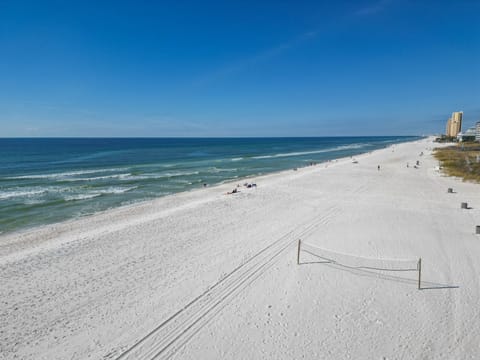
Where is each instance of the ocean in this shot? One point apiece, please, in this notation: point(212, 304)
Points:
point(47, 180)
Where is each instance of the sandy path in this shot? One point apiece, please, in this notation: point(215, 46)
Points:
point(95, 287)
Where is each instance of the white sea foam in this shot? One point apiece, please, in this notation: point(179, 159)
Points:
point(20, 193)
point(162, 175)
point(96, 193)
point(64, 174)
point(180, 173)
point(299, 153)
point(134, 177)
point(217, 170)
point(81, 196)
point(95, 178)
point(182, 181)
point(237, 159)
point(116, 190)
point(129, 176)
point(351, 146)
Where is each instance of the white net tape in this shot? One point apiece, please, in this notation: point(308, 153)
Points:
point(360, 261)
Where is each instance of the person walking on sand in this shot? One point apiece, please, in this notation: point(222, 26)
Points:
point(378, 167)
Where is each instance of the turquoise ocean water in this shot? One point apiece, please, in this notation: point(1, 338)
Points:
point(53, 179)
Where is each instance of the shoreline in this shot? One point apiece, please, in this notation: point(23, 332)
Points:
point(226, 266)
point(52, 226)
point(33, 198)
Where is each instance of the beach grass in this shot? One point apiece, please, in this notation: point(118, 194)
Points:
point(460, 160)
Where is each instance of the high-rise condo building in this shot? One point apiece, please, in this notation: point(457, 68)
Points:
point(456, 123)
point(449, 125)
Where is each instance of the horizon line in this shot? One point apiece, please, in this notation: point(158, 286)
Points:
point(202, 137)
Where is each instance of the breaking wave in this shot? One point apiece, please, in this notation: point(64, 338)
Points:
point(20, 193)
point(81, 196)
point(300, 153)
point(64, 174)
point(96, 193)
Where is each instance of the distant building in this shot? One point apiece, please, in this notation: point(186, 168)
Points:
point(454, 124)
point(477, 131)
point(468, 135)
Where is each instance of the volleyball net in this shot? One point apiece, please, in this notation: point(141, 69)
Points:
point(359, 262)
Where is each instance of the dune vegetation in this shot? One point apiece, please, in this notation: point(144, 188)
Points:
point(460, 160)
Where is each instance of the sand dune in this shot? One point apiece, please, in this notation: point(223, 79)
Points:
point(204, 275)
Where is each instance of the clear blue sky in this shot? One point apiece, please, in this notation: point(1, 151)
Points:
point(237, 68)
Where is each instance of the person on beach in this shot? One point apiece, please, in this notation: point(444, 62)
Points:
point(378, 167)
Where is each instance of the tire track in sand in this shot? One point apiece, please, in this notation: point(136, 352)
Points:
point(168, 337)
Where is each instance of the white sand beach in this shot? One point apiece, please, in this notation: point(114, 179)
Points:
point(204, 275)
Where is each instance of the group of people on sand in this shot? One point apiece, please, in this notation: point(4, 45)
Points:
point(251, 185)
point(416, 166)
point(247, 185)
point(417, 163)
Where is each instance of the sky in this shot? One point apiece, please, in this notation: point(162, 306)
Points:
point(237, 68)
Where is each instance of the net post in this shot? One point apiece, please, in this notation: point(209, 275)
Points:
point(419, 267)
point(298, 252)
